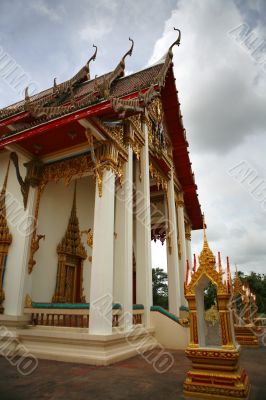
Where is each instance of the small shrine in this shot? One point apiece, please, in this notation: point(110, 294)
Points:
point(244, 311)
point(215, 370)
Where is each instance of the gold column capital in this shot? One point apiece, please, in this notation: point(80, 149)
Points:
point(180, 199)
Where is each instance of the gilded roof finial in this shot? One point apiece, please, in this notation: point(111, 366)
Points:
point(27, 97)
point(206, 255)
point(128, 53)
point(160, 79)
point(93, 57)
point(176, 42)
point(118, 72)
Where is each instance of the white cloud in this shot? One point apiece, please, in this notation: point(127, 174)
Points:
point(54, 13)
point(222, 94)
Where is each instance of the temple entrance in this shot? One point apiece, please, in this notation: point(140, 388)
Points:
point(71, 255)
point(72, 280)
point(70, 284)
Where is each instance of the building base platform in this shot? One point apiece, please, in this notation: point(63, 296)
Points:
point(77, 345)
point(216, 373)
point(246, 335)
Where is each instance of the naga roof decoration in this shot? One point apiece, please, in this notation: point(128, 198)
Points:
point(158, 81)
point(70, 95)
point(119, 71)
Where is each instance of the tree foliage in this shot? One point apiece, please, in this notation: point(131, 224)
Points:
point(257, 284)
point(159, 287)
point(210, 296)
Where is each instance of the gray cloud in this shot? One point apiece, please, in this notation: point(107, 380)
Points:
point(222, 92)
point(221, 88)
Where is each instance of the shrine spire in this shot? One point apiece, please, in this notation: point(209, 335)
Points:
point(206, 253)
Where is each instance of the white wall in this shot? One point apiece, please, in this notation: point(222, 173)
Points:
point(169, 333)
point(55, 209)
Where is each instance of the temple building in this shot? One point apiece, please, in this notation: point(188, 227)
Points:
point(91, 171)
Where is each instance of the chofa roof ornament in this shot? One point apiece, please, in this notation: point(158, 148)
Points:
point(176, 42)
point(93, 58)
point(118, 72)
point(128, 53)
point(168, 60)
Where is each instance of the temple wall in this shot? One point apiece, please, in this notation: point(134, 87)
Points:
point(55, 208)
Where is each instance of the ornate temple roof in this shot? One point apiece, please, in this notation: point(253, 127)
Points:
point(40, 121)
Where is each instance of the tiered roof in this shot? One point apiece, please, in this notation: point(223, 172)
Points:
point(36, 120)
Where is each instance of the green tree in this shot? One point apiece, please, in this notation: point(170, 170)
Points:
point(159, 287)
point(257, 284)
point(210, 295)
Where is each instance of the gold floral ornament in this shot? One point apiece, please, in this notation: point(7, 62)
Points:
point(28, 301)
point(212, 315)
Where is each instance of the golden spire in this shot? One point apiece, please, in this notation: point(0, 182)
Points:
point(237, 289)
point(206, 255)
point(71, 243)
point(5, 236)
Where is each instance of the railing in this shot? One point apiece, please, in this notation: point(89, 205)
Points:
point(75, 316)
point(59, 317)
point(260, 322)
point(137, 314)
point(181, 321)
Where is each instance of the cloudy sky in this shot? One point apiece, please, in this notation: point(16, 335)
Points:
point(220, 71)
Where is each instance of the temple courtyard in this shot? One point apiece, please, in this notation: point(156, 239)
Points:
point(130, 379)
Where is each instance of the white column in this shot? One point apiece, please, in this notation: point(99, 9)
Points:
point(101, 291)
point(174, 300)
point(182, 239)
point(123, 258)
point(188, 246)
point(143, 232)
point(18, 282)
